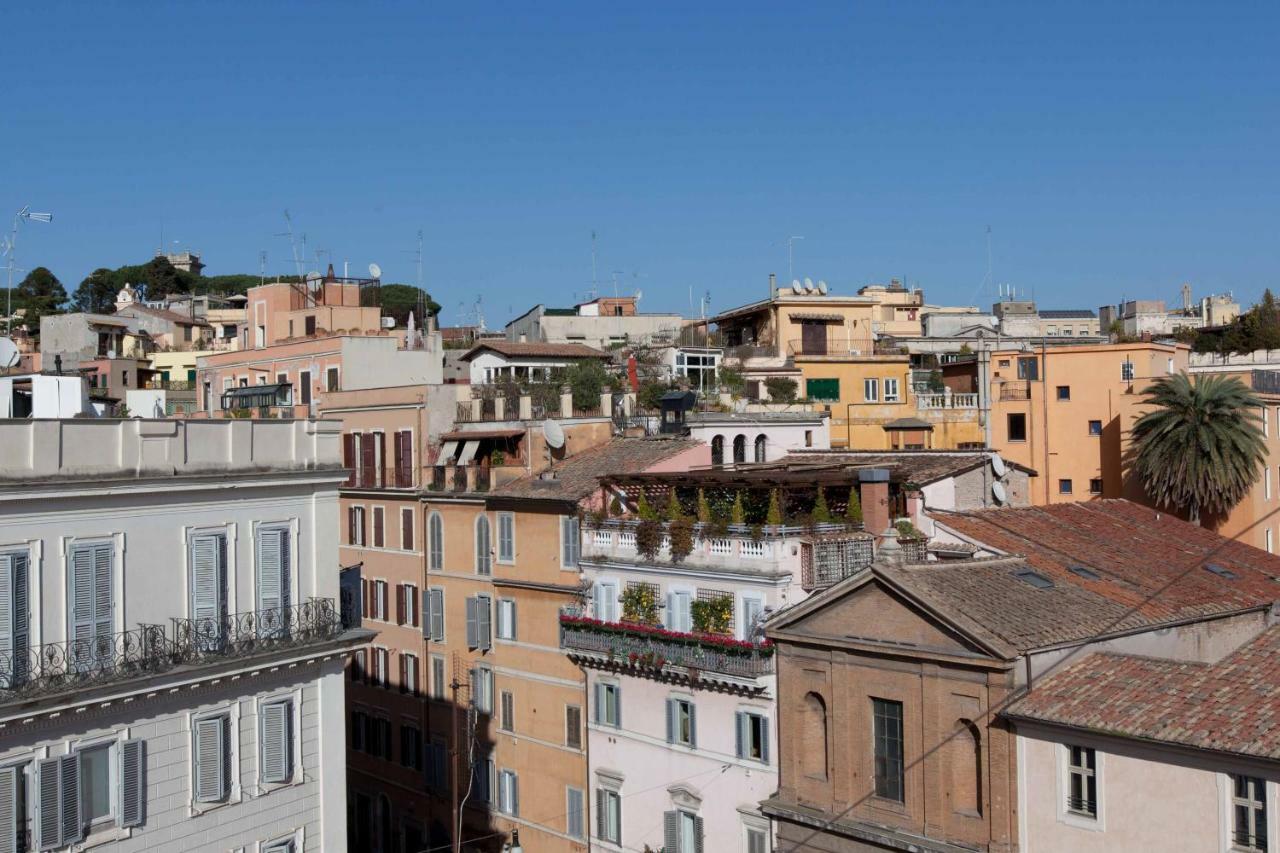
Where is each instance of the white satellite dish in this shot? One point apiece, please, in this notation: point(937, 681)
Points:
point(822, 288)
point(553, 433)
point(111, 353)
point(997, 465)
point(808, 285)
point(997, 490)
point(375, 271)
point(8, 353)
point(796, 286)
point(639, 295)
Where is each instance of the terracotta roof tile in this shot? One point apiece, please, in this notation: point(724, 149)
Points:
point(1231, 706)
point(579, 475)
point(536, 350)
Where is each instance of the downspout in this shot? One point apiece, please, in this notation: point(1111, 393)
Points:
point(1044, 405)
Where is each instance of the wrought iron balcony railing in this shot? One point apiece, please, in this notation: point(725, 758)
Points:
point(56, 668)
point(639, 646)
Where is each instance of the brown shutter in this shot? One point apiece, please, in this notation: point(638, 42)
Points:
point(381, 460)
point(400, 604)
point(363, 529)
point(406, 528)
point(377, 526)
point(351, 525)
point(366, 462)
point(405, 459)
point(404, 682)
point(349, 457)
point(366, 597)
point(414, 608)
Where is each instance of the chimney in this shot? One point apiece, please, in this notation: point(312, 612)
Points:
point(773, 285)
point(524, 339)
point(874, 494)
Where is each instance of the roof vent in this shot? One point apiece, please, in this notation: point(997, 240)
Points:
point(1084, 572)
point(1035, 579)
point(1221, 571)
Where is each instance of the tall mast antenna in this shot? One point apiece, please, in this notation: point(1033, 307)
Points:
point(297, 260)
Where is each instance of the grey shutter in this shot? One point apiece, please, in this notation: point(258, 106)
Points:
point(48, 805)
point(484, 627)
point(671, 721)
point(697, 835)
point(617, 705)
point(602, 819)
point(671, 832)
point(514, 633)
point(276, 741)
point(14, 620)
point(90, 601)
point(573, 823)
point(473, 635)
point(515, 794)
point(11, 818)
point(210, 748)
point(272, 576)
point(741, 730)
point(764, 739)
point(599, 703)
point(133, 786)
point(69, 794)
point(208, 584)
point(693, 725)
point(575, 540)
point(437, 615)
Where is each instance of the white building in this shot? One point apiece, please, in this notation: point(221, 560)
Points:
point(171, 649)
point(498, 361)
point(762, 436)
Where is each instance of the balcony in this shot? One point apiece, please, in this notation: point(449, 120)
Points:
point(832, 346)
point(1015, 390)
point(639, 647)
point(935, 402)
point(59, 668)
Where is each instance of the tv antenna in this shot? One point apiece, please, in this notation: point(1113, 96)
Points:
point(262, 267)
point(288, 232)
point(595, 284)
point(790, 255)
point(11, 252)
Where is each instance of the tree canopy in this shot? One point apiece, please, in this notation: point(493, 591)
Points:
point(1256, 329)
point(38, 294)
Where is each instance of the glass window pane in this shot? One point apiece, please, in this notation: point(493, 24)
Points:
point(95, 781)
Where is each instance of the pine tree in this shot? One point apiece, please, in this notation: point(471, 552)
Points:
point(704, 508)
point(853, 512)
point(821, 512)
point(775, 510)
point(737, 515)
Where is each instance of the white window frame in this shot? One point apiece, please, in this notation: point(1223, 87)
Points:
point(509, 518)
point(112, 743)
point(506, 619)
point(234, 793)
point(742, 626)
point(295, 735)
point(606, 591)
point(1066, 816)
point(509, 792)
point(870, 390)
point(435, 541)
point(357, 528)
point(613, 828)
point(684, 622)
point(1226, 785)
point(483, 688)
point(615, 718)
point(570, 522)
point(894, 395)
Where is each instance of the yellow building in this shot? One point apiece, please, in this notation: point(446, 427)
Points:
point(874, 407)
point(173, 367)
point(1067, 411)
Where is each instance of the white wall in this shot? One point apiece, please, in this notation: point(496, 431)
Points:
point(780, 438)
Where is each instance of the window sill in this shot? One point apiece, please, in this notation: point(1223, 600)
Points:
point(197, 809)
point(887, 805)
point(106, 834)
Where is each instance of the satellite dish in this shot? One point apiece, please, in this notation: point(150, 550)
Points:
point(997, 490)
point(111, 353)
point(314, 276)
point(553, 433)
point(822, 288)
point(8, 353)
point(997, 465)
point(375, 271)
point(639, 295)
point(808, 284)
point(796, 286)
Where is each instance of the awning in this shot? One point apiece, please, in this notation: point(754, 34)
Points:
point(469, 435)
point(824, 318)
point(446, 452)
point(907, 423)
point(468, 452)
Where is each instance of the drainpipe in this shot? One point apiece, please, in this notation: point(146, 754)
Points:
point(1044, 405)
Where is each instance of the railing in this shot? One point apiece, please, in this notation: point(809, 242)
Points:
point(439, 478)
point(148, 649)
point(831, 346)
point(488, 411)
point(946, 401)
point(170, 385)
point(460, 479)
point(742, 352)
point(484, 478)
point(1015, 390)
point(403, 478)
point(827, 561)
point(639, 646)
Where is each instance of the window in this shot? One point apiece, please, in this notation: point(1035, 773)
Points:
point(212, 753)
point(409, 673)
point(1126, 371)
point(813, 733)
point(410, 747)
point(1095, 486)
point(609, 704)
point(381, 665)
point(1082, 781)
point(1095, 427)
point(1064, 392)
point(757, 840)
point(379, 609)
point(1064, 487)
point(482, 689)
point(1267, 541)
point(606, 601)
point(1249, 813)
point(680, 611)
point(407, 610)
point(95, 783)
point(479, 615)
point(92, 596)
point(15, 617)
point(573, 726)
point(870, 391)
point(753, 736)
point(435, 542)
point(437, 764)
point(570, 543)
point(1029, 368)
point(1017, 424)
point(822, 389)
point(891, 391)
point(379, 538)
point(304, 386)
point(406, 529)
point(509, 793)
point(506, 537)
point(507, 719)
point(752, 613)
point(761, 448)
point(575, 817)
point(717, 450)
point(275, 739)
point(682, 722)
point(609, 815)
point(482, 779)
point(435, 614)
point(1266, 483)
point(808, 438)
point(1266, 424)
point(887, 737)
point(331, 379)
point(506, 619)
point(355, 525)
point(438, 681)
point(681, 832)
point(739, 449)
point(484, 553)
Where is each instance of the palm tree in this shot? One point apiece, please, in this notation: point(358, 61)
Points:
point(1200, 449)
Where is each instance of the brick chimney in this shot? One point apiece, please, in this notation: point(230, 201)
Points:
point(873, 491)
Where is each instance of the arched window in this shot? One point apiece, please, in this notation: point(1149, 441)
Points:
point(717, 450)
point(761, 446)
point(966, 769)
point(739, 449)
point(813, 728)
point(484, 555)
point(435, 543)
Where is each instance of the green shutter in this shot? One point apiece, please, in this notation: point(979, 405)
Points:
point(822, 389)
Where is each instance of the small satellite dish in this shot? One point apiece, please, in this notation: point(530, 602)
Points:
point(639, 295)
point(314, 276)
point(553, 433)
point(808, 285)
point(997, 490)
point(375, 271)
point(796, 286)
point(111, 353)
point(997, 465)
point(822, 288)
point(8, 353)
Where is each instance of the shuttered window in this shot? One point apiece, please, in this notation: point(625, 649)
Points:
point(506, 537)
point(753, 736)
point(92, 595)
point(276, 738)
point(272, 548)
point(484, 547)
point(479, 616)
point(509, 793)
point(575, 816)
point(133, 783)
point(438, 685)
point(285, 845)
point(435, 614)
point(435, 542)
point(14, 620)
point(13, 809)
point(570, 544)
point(507, 718)
point(609, 815)
point(379, 524)
point(506, 619)
point(682, 722)
point(212, 751)
point(208, 557)
point(406, 529)
point(681, 832)
point(58, 802)
point(573, 726)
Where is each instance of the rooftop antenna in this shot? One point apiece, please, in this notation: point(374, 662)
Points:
point(288, 232)
point(11, 251)
point(594, 283)
point(990, 274)
point(790, 255)
point(262, 267)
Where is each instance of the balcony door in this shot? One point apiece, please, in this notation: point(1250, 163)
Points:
point(92, 597)
point(209, 589)
point(813, 338)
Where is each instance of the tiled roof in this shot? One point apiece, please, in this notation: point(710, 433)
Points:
point(1067, 314)
point(579, 475)
point(1231, 706)
point(1147, 562)
point(536, 350)
point(171, 316)
point(907, 466)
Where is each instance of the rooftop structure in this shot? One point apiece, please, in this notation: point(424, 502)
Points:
point(604, 323)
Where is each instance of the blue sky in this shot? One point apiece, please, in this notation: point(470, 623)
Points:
point(1114, 148)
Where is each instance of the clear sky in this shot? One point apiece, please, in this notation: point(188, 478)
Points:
point(1114, 148)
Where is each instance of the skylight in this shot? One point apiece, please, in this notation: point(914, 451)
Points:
point(1035, 579)
point(1085, 572)
point(1221, 571)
